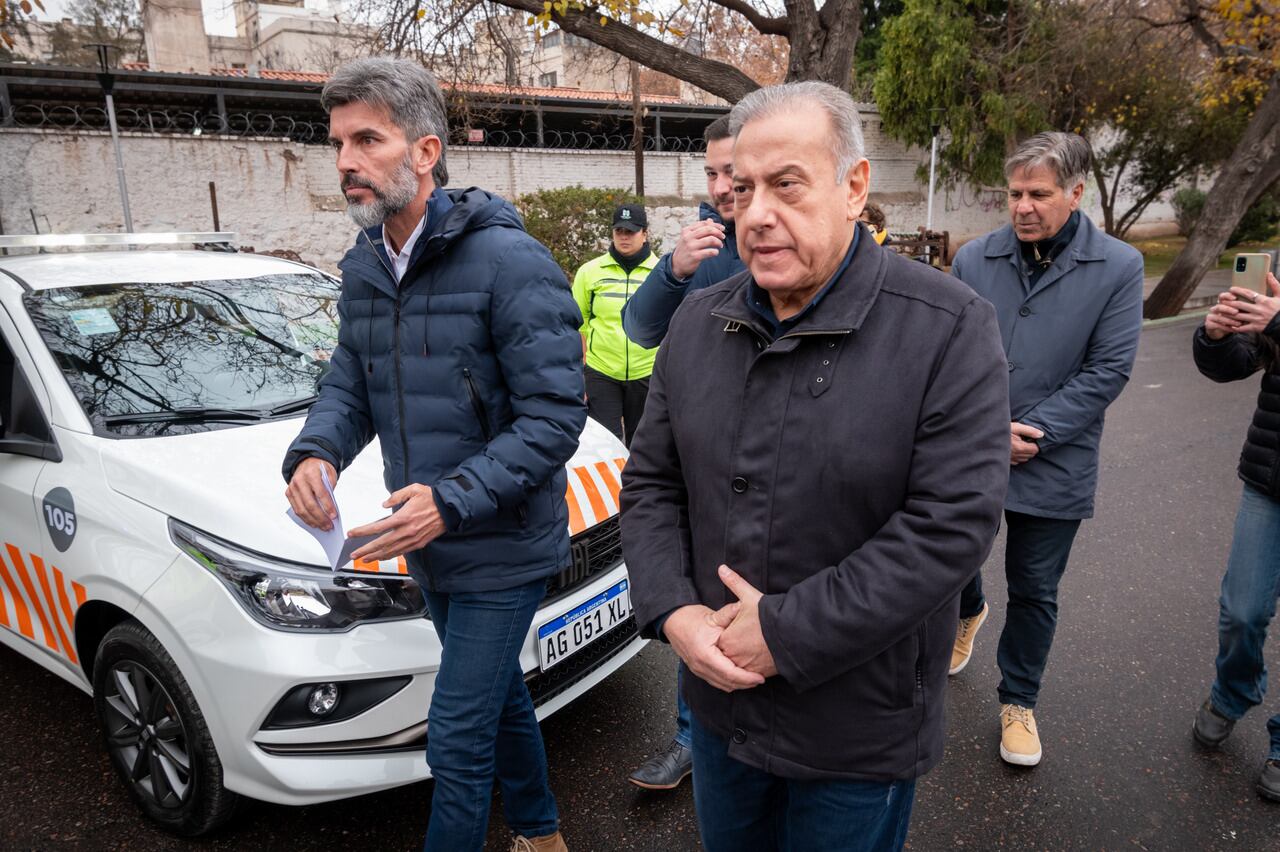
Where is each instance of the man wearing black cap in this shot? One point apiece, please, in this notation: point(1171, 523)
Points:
point(617, 372)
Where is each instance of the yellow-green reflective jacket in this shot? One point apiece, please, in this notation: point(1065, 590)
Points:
point(601, 288)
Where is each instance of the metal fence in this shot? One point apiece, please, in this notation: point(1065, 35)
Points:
point(308, 132)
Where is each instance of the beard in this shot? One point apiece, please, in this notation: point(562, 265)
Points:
point(400, 190)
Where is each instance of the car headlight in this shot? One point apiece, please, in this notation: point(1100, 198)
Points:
point(293, 596)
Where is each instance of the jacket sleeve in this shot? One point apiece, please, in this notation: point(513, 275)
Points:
point(339, 424)
point(1108, 360)
point(920, 559)
point(655, 513)
point(534, 327)
point(582, 294)
point(647, 314)
point(1230, 359)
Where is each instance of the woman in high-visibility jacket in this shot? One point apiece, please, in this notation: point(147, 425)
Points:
point(617, 370)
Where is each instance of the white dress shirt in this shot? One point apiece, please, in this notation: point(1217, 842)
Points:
point(400, 261)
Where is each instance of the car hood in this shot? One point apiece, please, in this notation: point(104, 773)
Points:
point(227, 482)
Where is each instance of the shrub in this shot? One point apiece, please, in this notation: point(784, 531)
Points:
point(573, 222)
point(1258, 224)
point(1187, 204)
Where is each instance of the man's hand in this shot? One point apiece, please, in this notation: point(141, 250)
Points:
point(692, 632)
point(1022, 439)
point(416, 524)
point(743, 641)
point(697, 242)
point(308, 496)
point(1242, 310)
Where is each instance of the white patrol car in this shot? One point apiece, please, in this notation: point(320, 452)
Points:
point(146, 402)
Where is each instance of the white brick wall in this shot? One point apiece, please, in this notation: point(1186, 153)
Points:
point(278, 194)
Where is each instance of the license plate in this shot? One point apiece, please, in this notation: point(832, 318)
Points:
point(563, 637)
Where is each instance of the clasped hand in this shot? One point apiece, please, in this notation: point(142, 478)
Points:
point(724, 647)
point(1242, 311)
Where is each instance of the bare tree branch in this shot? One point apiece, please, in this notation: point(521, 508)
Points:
point(763, 23)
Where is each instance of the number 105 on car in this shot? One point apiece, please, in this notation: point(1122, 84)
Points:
point(562, 637)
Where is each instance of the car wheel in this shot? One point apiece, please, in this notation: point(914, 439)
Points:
point(156, 735)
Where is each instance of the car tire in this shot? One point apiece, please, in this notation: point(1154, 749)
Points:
point(156, 735)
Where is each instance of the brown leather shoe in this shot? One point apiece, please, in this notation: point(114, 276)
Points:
point(546, 843)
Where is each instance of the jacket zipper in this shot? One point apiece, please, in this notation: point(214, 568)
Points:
point(477, 405)
point(522, 511)
point(404, 437)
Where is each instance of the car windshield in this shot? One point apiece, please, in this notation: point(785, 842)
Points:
point(154, 359)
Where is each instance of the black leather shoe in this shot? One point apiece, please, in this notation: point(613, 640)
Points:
point(1211, 727)
point(664, 771)
point(1269, 781)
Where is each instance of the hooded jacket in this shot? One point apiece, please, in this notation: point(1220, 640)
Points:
point(648, 312)
point(602, 288)
point(469, 372)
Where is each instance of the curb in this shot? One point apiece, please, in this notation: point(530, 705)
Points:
point(1194, 315)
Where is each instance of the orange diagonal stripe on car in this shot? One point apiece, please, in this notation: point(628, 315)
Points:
point(67, 611)
point(21, 567)
point(610, 480)
point(620, 464)
point(4, 613)
point(79, 593)
point(19, 605)
point(43, 576)
point(402, 567)
point(576, 523)
point(593, 493)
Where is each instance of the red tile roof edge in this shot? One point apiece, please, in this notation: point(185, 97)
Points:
point(477, 88)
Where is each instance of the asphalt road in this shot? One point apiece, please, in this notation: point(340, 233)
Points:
point(1132, 660)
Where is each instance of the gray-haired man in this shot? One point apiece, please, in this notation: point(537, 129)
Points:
point(806, 563)
point(1069, 300)
point(459, 349)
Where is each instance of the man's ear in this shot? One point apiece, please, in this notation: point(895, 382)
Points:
point(858, 184)
point(426, 153)
point(1077, 193)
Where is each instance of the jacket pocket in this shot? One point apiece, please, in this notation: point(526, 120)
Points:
point(477, 405)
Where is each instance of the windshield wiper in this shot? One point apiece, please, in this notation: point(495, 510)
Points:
point(195, 414)
point(291, 407)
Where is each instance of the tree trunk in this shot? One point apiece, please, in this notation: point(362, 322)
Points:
point(1253, 166)
point(822, 44)
point(1107, 201)
point(718, 78)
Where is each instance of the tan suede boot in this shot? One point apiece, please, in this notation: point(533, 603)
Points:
point(546, 843)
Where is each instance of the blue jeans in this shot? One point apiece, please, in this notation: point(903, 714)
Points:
point(1246, 607)
point(1035, 556)
point(742, 809)
point(683, 735)
point(481, 723)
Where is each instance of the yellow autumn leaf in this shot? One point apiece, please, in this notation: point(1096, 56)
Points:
point(422, 13)
point(26, 6)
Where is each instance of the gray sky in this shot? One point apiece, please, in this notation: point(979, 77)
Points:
point(219, 19)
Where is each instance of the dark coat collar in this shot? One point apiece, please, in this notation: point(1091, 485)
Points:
point(842, 309)
point(1086, 245)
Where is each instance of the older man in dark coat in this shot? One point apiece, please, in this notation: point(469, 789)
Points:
point(819, 471)
point(1069, 301)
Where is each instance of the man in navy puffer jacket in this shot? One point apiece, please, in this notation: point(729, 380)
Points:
point(458, 348)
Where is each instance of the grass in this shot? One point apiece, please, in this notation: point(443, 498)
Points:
point(1159, 253)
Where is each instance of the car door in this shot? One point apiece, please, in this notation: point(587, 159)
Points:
point(36, 602)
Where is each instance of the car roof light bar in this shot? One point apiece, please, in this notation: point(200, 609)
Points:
point(88, 240)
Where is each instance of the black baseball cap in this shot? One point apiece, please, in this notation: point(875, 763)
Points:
point(631, 217)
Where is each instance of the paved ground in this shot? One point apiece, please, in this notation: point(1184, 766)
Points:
point(1133, 659)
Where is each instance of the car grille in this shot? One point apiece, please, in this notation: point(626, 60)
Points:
point(544, 686)
point(595, 552)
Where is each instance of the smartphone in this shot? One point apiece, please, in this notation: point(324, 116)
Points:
point(1250, 272)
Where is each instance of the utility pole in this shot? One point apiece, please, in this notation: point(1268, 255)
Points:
point(637, 125)
point(107, 80)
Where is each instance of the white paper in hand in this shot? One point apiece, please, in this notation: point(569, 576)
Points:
point(337, 547)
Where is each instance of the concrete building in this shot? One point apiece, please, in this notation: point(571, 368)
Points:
point(509, 52)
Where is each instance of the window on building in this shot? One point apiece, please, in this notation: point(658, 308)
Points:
point(552, 39)
point(548, 79)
